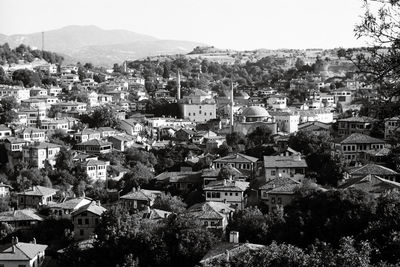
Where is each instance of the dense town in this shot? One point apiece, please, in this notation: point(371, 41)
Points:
point(212, 158)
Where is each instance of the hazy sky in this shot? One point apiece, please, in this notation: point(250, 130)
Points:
point(236, 24)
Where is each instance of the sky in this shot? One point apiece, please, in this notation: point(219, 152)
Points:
point(233, 24)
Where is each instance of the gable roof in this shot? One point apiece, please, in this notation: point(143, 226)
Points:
point(19, 215)
point(92, 207)
point(22, 252)
point(359, 138)
point(370, 183)
point(374, 169)
point(210, 210)
point(278, 182)
point(70, 204)
point(237, 157)
point(284, 162)
point(226, 185)
point(38, 190)
point(141, 194)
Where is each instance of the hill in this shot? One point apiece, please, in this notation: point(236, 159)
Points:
point(99, 46)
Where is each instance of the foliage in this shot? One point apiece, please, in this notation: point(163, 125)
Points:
point(29, 78)
point(8, 109)
point(103, 116)
point(23, 52)
point(169, 203)
point(5, 230)
point(138, 176)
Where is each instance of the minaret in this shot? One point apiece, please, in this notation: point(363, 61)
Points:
point(178, 86)
point(232, 104)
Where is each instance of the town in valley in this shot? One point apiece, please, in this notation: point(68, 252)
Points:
point(148, 152)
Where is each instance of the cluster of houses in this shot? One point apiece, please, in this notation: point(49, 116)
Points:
point(269, 181)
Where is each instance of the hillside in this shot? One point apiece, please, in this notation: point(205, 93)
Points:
point(99, 46)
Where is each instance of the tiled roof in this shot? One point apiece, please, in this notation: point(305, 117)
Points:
point(284, 162)
point(210, 210)
point(237, 157)
point(227, 185)
point(219, 252)
point(93, 162)
point(358, 138)
point(44, 145)
point(373, 169)
point(19, 215)
point(38, 190)
point(70, 204)
point(156, 214)
point(382, 152)
point(284, 189)
point(278, 182)
point(22, 252)
point(92, 207)
point(141, 194)
point(370, 183)
point(358, 119)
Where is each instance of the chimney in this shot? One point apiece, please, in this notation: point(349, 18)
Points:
point(34, 241)
point(227, 255)
point(234, 237)
point(98, 203)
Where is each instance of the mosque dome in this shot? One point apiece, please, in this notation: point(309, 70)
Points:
point(255, 111)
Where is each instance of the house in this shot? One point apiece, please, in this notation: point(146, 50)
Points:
point(352, 125)
point(211, 174)
point(5, 132)
point(155, 214)
point(139, 199)
point(23, 254)
point(94, 146)
point(116, 172)
point(35, 197)
point(86, 135)
point(222, 253)
point(213, 215)
point(23, 219)
point(183, 180)
point(32, 134)
point(199, 106)
point(391, 126)
point(14, 144)
point(37, 154)
point(85, 219)
point(370, 183)
point(246, 164)
point(5, 190)
point(184, 134)
point(96, 169)
point(19, 93)
point(374, 169)
point(106, 132)
point(284, 166)
point(122, 142)
point(278, 192)
point(351, 148)
point(227, 191)
point(53, 124)
point(131, 126)
point(64, 209)
point(314, 127)
point(277, 102)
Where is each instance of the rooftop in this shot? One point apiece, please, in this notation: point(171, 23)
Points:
point(284, 162)
point(358, 138)
point(38, 190)
point(22, 252)
point(237, 157)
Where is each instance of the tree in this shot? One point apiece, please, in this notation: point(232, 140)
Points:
point(260, 136)
point(165, 74)
point(8, 110)
point(64, 159)
point(5, 230)
point(251, 224)
point(226, 172)
point(299, 63)
point(103, 116)
point(27, 77)
point(138, 176)
point(169, 203)
point(308, 219)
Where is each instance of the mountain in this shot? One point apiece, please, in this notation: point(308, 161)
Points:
point(99, 46)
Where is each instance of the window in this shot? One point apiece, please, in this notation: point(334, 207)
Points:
point(279, 200)
point(81, 232)
point(273, 200)
point(86, 221)
point(273, 173)
point(79, 221)
point(236, 194)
